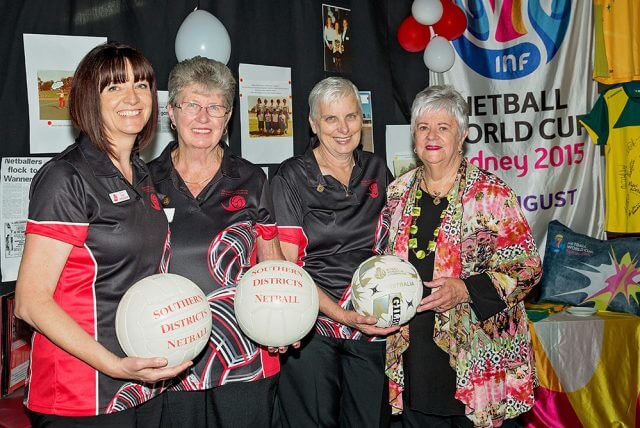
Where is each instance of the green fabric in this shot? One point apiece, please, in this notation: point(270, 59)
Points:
point(596, 122)
point(539, 311)
point(630, 115)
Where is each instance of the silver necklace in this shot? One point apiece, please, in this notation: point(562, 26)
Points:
point(198, 182)
point(174, 157)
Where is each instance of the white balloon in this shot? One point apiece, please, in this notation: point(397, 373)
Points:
point(426, 12)
point(439, 55)
point(203, 34)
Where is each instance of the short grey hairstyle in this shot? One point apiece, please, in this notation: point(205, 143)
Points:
point(330, 90)
point(441, 97)
point(210, 74)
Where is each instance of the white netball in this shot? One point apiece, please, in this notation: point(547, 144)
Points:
point(276, 303)
point(164, 315)
point(387, 288)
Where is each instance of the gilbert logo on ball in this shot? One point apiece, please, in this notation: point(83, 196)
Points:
point(387, 288)
point(276, 303)
point(164, 315)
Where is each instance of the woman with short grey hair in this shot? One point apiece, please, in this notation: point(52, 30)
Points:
point(441, 97)
point(327, 203)
point(208, 74)
point(220, 212)
point(329, 91)
point(462, 228)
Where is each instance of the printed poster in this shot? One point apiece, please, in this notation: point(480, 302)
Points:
point(367, 121)
point(17, 174)
point(266, 118)
point(50, 62)
point(524, 69)
point(164, 134)
point(399, 149)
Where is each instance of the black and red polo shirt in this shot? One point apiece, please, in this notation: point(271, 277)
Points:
point(118, 232)
point(334, 227)
point(213, 242)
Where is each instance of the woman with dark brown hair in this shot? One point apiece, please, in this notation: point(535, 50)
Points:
point(95, 228)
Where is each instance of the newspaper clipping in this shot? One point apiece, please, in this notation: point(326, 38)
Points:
point(14, 194)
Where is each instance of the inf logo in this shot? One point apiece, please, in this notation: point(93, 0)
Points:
point(510, 39)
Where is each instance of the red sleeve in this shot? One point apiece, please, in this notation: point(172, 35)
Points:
point(267, 231)
point(294, 235)
point(57, 204)
point(74, 234)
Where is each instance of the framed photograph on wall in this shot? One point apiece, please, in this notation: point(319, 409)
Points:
point(337, 37)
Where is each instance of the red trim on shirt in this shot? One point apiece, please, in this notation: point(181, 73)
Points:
point(57, 376)
point(267, 231)
point(295, 235)
point(270, 362)
point(71, 233)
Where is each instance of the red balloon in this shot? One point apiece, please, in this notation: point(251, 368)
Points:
point(412, 35)
point(453, 21)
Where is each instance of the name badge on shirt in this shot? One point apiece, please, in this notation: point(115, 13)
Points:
point(119, 196)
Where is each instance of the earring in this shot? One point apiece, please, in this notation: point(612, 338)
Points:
point(415, 151)
point(460, 152)
point(226, 130)
point(172, 126)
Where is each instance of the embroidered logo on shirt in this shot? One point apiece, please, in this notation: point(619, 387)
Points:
point(373, 190)
point(236, 203)
point(372, 184)
point(119, 196)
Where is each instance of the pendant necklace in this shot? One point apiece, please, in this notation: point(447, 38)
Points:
point(437, 196)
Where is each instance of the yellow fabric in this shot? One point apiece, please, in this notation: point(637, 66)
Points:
point(622, 155)
point(609, 397)
point(617, 41)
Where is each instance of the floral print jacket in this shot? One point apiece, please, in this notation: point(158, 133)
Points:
point(483, 231)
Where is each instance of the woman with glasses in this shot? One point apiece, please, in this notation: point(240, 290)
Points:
point(220, 215)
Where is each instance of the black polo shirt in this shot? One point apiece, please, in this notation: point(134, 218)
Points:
point(118, 232)
point(213, 242)
point(334, 227)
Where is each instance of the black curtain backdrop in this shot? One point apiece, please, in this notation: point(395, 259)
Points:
point(286, 33)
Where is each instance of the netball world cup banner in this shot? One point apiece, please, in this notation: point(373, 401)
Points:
point(525, 68)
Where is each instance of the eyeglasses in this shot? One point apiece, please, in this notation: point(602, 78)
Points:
point(193, 109)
